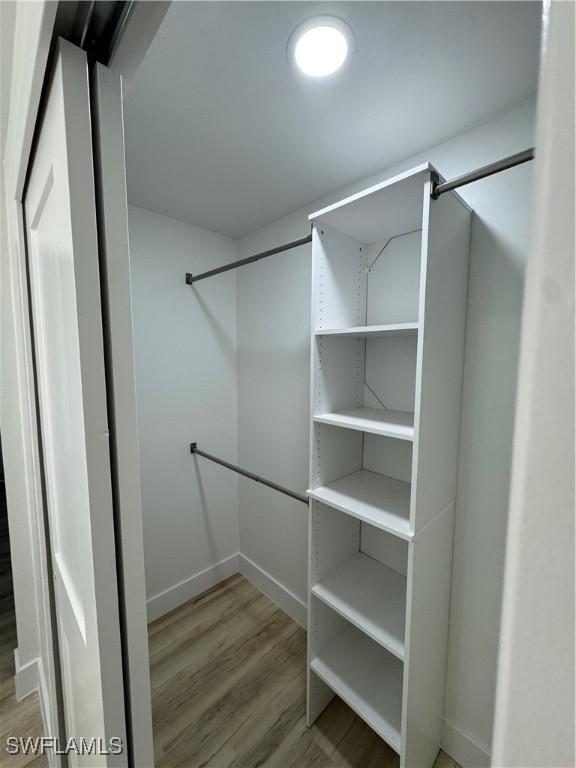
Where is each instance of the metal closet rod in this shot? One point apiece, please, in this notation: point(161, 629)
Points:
point(190, 278)
point(250, 475)
point(482, 173)
point(437, 190)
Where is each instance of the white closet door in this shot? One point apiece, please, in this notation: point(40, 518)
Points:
point(69, 355)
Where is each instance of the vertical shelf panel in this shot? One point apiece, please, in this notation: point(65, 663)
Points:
point(446, 238)
point(339, 298)
point(427, 613)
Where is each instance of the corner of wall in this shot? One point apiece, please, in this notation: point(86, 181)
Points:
point(29, 678)
point(26, 676)
point(463, 748)
point(280, 595)
point(171, 598)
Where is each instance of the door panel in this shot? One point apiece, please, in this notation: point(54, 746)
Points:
point(65, 299)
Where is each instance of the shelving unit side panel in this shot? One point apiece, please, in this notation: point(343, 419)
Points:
point(444, 283)
point(390, 372)
point(336, 259)
point(339, 281)
point(318, 694)
point(335, 453)
point(384, 547)
point(312, 450)
point(388, 456)
point(325, 627)
point(335, 538)
point(427, 612)
point(393, 280)
point(339, 367)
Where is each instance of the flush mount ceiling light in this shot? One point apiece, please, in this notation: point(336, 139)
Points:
point(319, 47)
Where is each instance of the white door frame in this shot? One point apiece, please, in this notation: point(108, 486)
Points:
point(112, 206)
point(35, 669)
point(35, 29)
point(535, 698)
point(72, 407)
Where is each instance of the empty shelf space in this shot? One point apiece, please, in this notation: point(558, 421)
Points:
point(364, 331)
point(391, 207)
point(376, 499)
point(371, 596)
point(367, 678)
point(375, 420)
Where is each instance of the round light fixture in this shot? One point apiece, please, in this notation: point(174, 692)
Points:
point(319, 47)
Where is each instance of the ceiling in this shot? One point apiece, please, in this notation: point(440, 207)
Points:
point(221, 132)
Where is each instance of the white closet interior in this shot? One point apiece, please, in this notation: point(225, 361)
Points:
point(373, 368)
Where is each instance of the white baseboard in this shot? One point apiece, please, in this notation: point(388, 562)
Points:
point(282, 597)
point(27, 676)
point(47, 721)
point(463, 748)
point(180, 593)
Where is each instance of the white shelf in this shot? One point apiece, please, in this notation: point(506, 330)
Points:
point(376, 499)
point(367, 678)
point(371, 596)
point(391, 207)
point(375, 420)
point(364, 331)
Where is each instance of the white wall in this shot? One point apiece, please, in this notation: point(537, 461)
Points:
point(273, 371)
point(535, 705)
point(273, 418)
point(186, 381)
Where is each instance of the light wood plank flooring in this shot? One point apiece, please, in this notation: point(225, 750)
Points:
point(228, 676)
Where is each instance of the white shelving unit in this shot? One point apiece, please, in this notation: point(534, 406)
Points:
point(389, 298)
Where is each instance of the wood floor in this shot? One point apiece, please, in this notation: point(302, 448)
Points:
point(228, 690)
point(17, 718)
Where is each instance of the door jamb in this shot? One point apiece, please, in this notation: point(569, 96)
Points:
point(35, 37)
